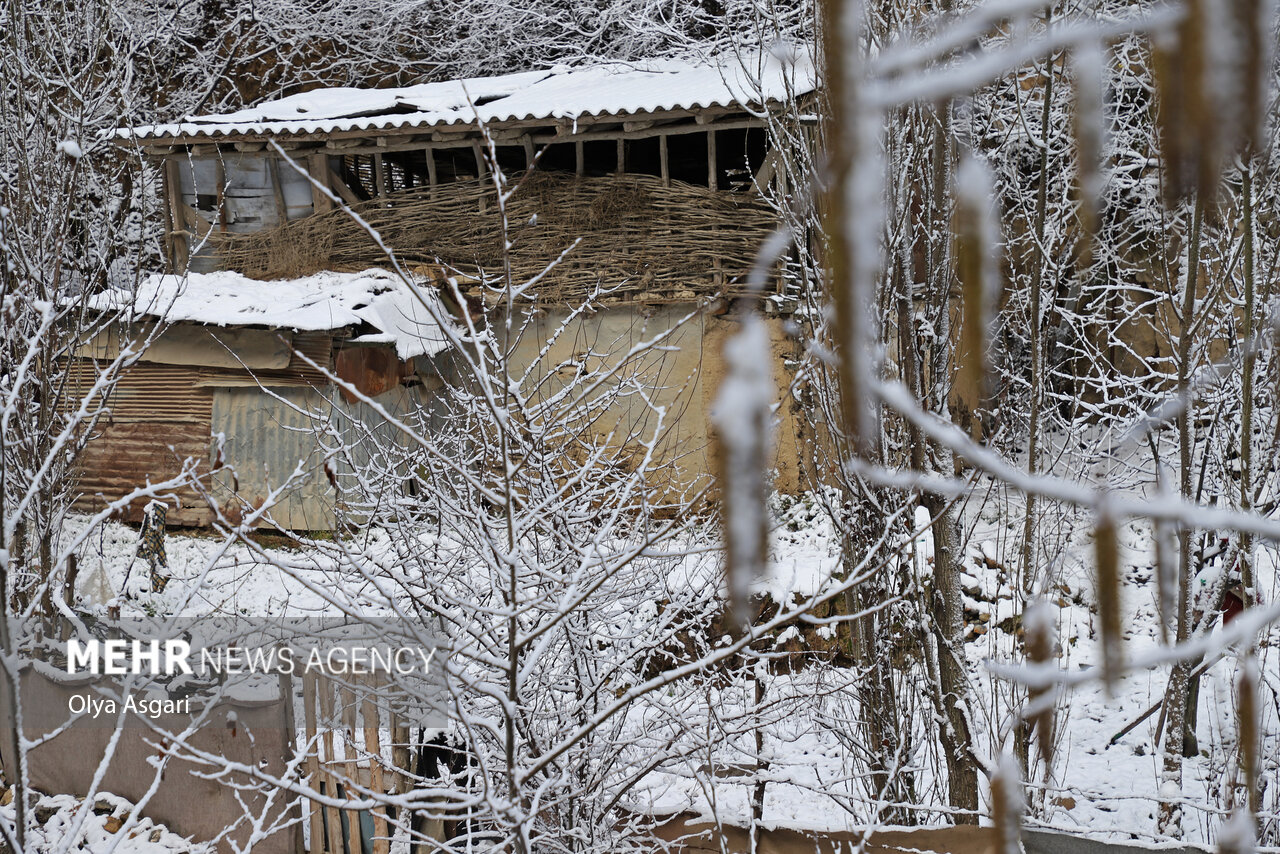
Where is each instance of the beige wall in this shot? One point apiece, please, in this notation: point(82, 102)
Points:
point(188, 801)
point(684, 377)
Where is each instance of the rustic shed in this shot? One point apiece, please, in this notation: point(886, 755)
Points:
point(243, 366)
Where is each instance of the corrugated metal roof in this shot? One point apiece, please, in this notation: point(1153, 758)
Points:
point(613, 89)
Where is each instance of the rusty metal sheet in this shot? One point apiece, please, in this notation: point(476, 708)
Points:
point(145, 392)
point(372, 370)
point(124, 456)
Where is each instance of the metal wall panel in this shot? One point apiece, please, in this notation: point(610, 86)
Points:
point(124, 456)
point(146, 392)
point(270, 436)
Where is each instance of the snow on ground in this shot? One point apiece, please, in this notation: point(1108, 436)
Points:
point(207, 574)
point(105, 825)
point(1105, 791)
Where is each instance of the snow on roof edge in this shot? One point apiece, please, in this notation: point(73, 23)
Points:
point(605, 90)
point(319, 302)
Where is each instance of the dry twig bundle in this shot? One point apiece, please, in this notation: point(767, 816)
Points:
point(638, 237)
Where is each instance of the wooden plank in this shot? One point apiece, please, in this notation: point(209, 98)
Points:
point(193, 222)
point(313, 760)
point(713, 177)
point(351, 766)
point(277, 191)
point(580, 166)
point(372, 746)
point(400, 754)
point(622, 155)
point(379, 175)
point(318, 167)
point(664, 160)
point(180, 250)
point(337, 183)
point(220, 179)
point(432, 177)
point(483, 172)
point(765, 174)
point(328, 759)
point(529, 154)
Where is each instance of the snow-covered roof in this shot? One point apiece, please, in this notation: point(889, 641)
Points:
point(312, 303)
point(613, 89)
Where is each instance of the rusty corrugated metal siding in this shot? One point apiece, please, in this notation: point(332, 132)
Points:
point(161, 414)
point(155, 420)
point(146, 392)
point(122, 457)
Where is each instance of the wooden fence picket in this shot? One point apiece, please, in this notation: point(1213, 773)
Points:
point(344, 731)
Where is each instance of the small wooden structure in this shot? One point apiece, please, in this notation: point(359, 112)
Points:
point(649, 173)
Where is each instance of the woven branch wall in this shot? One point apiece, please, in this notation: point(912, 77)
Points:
point(638, 237)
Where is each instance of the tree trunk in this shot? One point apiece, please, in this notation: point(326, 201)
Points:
point(948, 622)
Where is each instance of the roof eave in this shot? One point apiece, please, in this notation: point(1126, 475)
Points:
point(565, 126)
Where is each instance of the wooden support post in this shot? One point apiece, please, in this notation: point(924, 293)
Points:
point(339, 185)
point(713, 177)
point(432, 179)
point(318, 167)
point(764, 176)
point(325, 689)
point(622, 155)
point(529, 154)
point(180, 249)
point(400, 754)
point(663, 160)
point(580, 164)
point(483, 171)
point(277, 191)
point(379, 175)
point(313, 759)
point(290, 746)
point(220, 178)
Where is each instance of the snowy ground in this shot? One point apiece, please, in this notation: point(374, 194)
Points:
point(106, 824)
point(1109, 792)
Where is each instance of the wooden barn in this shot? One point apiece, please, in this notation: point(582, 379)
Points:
point(655, 170)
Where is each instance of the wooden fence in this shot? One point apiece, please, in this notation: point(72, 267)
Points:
point(359, 749)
